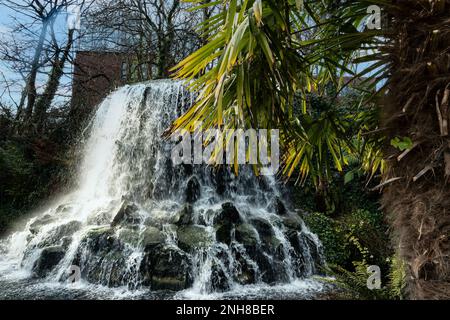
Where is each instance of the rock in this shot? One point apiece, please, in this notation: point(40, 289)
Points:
point(166, 268)
point(292, 222)
point(219, 280)
point(228, 214)
point(100, 219)
point(246, 274)
point(129, 236)
point(66, 242)
point(40, 222)
point(127, 214)
point(223, 233)
point(67, 229)
point(184, 216)
point(271, 269)
point(55, 236)
point(263, 227)
point(278, 206)
point(193, 237)
point(246, 235)
point(64, 208)
point(101, 258)
point(193, 191)
point(221, 178)
point(159, 217)
point(100, 239)
point(152, 237)
point(48, 260)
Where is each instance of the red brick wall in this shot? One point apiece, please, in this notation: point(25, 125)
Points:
point(95, 75)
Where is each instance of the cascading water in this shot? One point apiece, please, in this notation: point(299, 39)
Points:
point(137, 221)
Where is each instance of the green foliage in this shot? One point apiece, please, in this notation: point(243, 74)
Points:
point(358, 236)
point(354, 283)
point(397, 278)
point(261, 55)
point(402, 144)
point(25, 180)
point(331, 236)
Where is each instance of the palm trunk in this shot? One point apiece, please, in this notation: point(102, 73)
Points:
point(417, 107)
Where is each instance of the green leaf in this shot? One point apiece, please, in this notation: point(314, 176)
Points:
point(402, 144)
point(349, 176)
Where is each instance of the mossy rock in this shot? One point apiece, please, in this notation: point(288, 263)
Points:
point(292, 222)
point(263, 227)
point(246, 235)
point(151, 237)
point(129, 236)
point(223, 233)
point(48, 260)
point(167, 268)
point(128, 214)
point(194, 237)
point(184, 216)
point(97, 231)
point(56, 235)
point(228, 214)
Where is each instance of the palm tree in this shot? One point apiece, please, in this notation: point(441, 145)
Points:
point(261, 54)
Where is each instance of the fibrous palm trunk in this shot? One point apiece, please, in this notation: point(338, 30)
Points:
point(417, 107)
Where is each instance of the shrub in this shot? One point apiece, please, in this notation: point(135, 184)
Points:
point(331, 236)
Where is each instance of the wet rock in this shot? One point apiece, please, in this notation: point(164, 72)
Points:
point(66, 242)
point(101, 258)
point(278, 207)
point(166, 268)
point(263, 227)
point(48, 260)
point(40, 222)
point(219, 280)
point(292, 222)
point(271, 269)
point(184, 216)
point(221, 178)
point(228, 214)
point(100, 240)
point(100, 219)
point(152, 237)
point(54, 236)
point(68, 229)
point(314, 250)
point(223, 233)
point(193, 190)
point(246, 235)
point(194, 237)
point(246, 273)
point(127, 214)
point(206, 218)
point(64, 208)
point(129, 236)
point(158, 217)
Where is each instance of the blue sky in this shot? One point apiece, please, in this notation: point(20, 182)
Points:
point(7, 21)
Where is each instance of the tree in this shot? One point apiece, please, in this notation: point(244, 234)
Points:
point(34, 28)
point(261, 53)
point(155, 33)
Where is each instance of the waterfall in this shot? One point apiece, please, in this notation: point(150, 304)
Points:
point(135, 220)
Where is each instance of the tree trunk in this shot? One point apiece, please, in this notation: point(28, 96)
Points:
point(45, 100)
point(418, 205)
point(30, 86)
